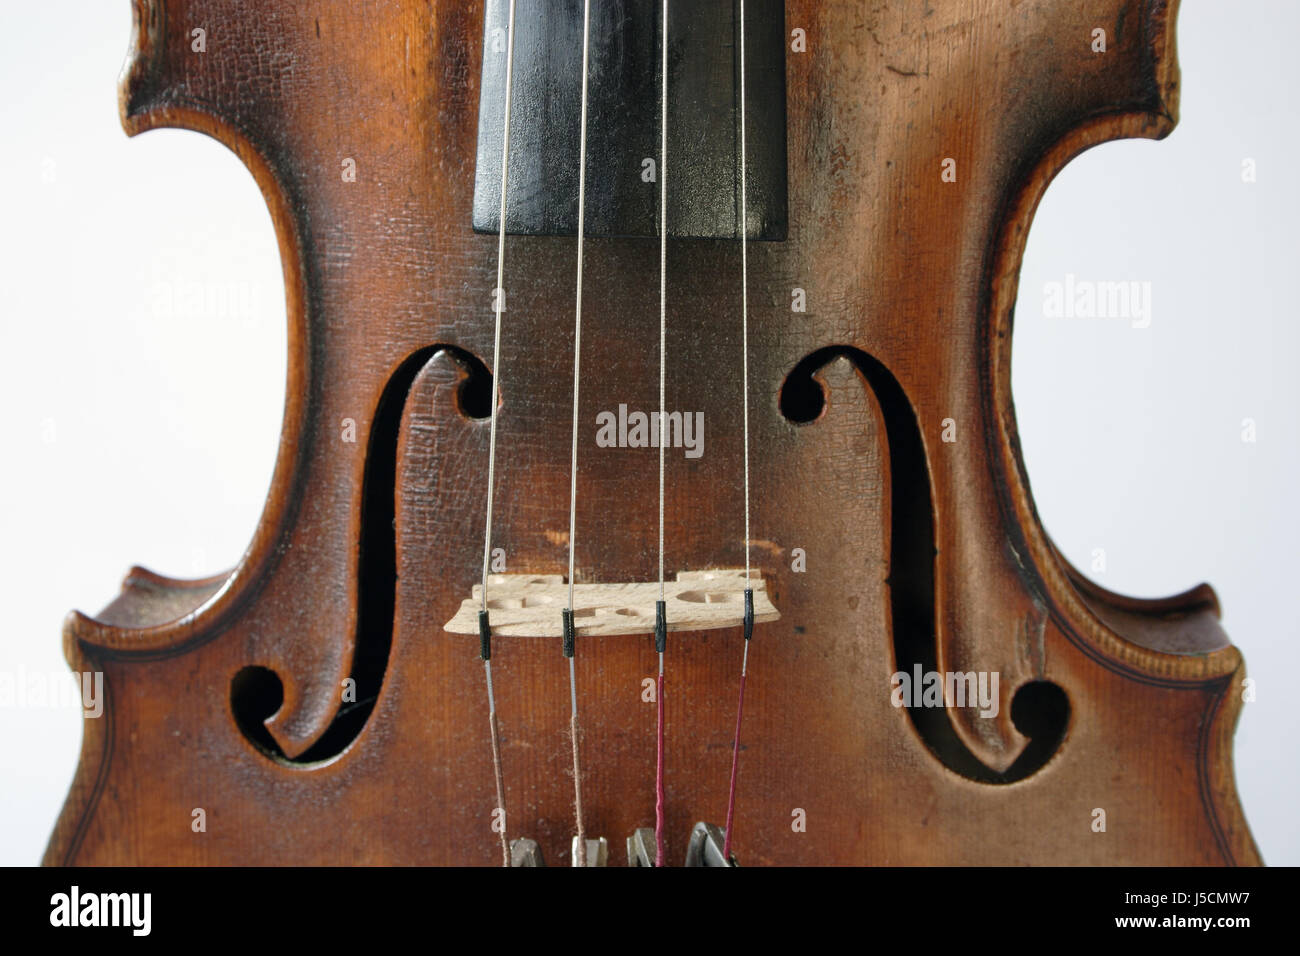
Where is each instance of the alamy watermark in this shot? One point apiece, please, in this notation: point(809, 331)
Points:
point(22, 690)
point(624, 429)
point(132, 911)
point(1088, 299)
point(949, 689)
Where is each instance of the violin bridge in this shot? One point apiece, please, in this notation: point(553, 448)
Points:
point(528, 605)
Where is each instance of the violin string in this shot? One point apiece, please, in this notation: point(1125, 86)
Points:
point(663, 280)
point(744, 308)
point(735, 760)
point(496, 763)
point(663, 422)
point(499, 307)
point(744, 285)
point(580, 858)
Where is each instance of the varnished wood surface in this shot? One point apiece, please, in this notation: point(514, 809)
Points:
point(910, 283)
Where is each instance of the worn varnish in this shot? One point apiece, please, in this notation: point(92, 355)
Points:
point(919, 551)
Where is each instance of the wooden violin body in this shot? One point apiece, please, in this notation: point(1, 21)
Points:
point(883, 447)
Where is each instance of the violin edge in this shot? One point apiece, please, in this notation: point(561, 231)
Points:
point(142, 107)
point(1040, 563)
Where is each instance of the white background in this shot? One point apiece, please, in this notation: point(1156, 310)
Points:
point(143, 361)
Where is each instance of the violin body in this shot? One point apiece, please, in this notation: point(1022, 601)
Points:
point(892, 519)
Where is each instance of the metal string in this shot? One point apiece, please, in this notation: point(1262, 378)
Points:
point(496, 763)
point(735, 760)
point(492, 431)
point(744, 283)
point(663, 283)
point(744, 302)
point(580, 858)
point(663, 422)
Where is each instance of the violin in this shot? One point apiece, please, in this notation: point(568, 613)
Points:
point(649, 489)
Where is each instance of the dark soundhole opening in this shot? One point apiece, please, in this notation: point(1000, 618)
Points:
point(257, 693)
point(475, 396)
point(802, 399)
point(1041, 711)
point(1043, 707)
point(255, 696)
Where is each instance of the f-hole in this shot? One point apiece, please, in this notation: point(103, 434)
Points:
point(1040, 710)
point(257, 693)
